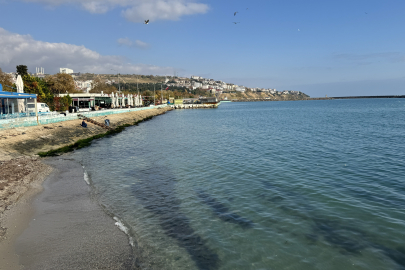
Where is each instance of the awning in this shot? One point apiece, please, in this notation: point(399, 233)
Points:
point(15, 95)
point(82, 99)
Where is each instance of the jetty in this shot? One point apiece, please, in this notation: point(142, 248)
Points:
point(355, 97)
point(194, 103)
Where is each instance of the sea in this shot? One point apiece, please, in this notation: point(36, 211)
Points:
point(259, 185)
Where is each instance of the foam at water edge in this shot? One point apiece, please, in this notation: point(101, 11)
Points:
point(86, 178)
point(122, 227)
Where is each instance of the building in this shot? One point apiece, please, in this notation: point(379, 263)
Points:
point(197, 84)
point(84, 86)
point(240, 88)
point(66, 70)
point(90, 100)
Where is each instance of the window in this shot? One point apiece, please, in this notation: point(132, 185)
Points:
point(31, 105)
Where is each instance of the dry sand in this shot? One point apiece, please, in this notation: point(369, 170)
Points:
point(22, 171)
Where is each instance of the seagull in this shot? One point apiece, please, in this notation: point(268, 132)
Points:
point(235, 13)
point(235, 22)
point(146, 21)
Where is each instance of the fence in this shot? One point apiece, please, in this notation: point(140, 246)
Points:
point(49, 118)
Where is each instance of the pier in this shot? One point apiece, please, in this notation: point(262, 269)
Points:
point(195, 106)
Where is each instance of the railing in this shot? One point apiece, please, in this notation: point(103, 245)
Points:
point(22, 115)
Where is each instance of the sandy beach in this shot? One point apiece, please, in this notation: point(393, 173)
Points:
point(56, 224)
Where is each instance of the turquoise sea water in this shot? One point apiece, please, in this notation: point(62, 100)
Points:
point(263, 185)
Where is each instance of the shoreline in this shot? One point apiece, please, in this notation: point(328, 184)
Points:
point(69, 229)
point(18, 198)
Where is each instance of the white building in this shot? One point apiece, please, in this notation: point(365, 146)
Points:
point(66, 70)
point(240, 88)
point(39, 71)
point(84, 86)
point(197, 84)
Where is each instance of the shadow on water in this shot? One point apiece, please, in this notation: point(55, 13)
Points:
point(372, 197)
point(332, 231)
point(223, 212)
point(156, 192)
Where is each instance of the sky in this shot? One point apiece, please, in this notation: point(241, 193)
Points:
point(333, 48)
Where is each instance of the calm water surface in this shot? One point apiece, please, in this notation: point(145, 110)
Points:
point(264, 185)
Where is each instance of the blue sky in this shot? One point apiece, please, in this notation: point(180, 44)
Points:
point(334, 48)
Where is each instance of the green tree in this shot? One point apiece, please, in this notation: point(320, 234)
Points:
point(6, 79)
point(61, 83)
point(34, 85)
point(22, 70)
point(99, 85)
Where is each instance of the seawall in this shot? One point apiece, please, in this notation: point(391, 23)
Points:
point(44, 119)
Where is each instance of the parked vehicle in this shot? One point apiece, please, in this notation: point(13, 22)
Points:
point(41, 107)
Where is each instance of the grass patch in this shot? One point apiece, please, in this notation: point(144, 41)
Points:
point(87, 142)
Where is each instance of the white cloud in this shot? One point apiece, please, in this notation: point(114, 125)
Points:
point(137, 10)
point(163, 10)
point(18, 49)
point(129, 43)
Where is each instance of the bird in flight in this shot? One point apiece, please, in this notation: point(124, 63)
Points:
point(235, 22)
point(235, 13)
point(146, 21)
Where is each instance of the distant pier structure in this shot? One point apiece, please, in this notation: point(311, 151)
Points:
point(354, 97)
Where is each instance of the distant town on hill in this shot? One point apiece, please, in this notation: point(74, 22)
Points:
point(182, 87)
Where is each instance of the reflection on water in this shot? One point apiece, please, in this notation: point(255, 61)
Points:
point(270, 185)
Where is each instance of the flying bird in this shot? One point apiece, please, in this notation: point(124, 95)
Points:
point(235, 22)
point(235, 13)
point(146, 21)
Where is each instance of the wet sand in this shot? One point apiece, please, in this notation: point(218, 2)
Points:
point(69, 230)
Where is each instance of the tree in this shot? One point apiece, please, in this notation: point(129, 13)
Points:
point(6, 79)
point(34, 85)
point(22, 70)
point(99, 85)
point(61, 83)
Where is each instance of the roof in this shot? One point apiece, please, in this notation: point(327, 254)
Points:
point(15, 95)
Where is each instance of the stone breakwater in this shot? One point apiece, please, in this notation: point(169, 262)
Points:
point(195, 106)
